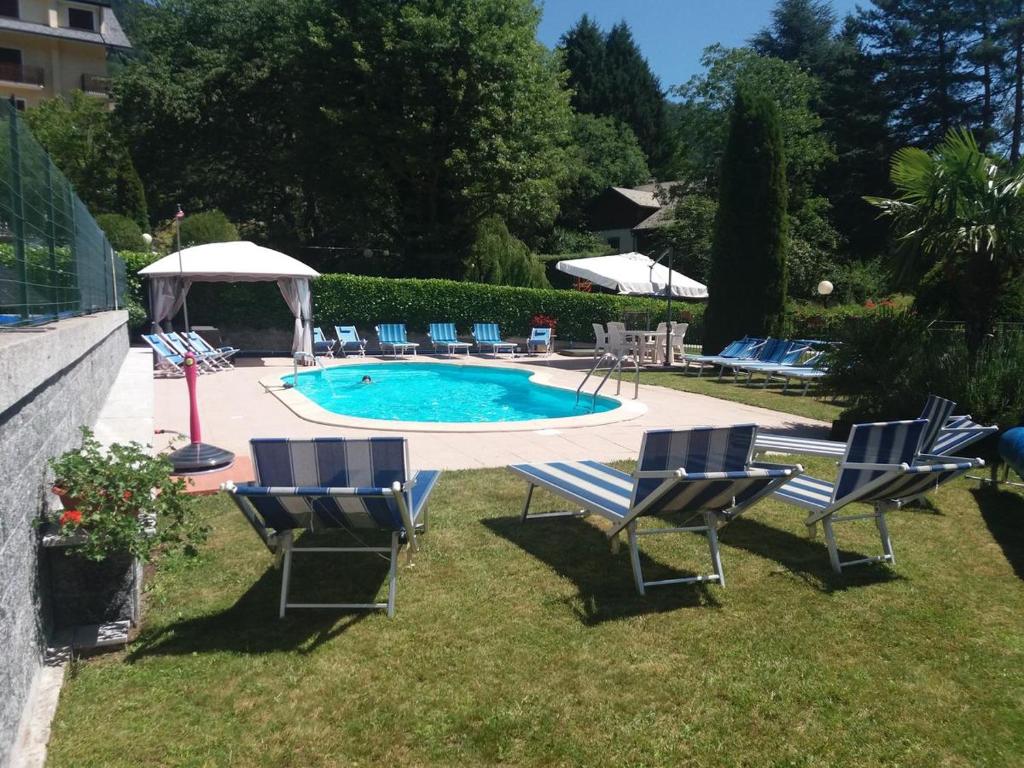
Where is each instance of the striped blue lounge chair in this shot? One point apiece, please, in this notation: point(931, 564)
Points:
point(356, 485)
point(741, 349)
point(703, 473)
point(391, 336)
point(946, 434)
point(445, 338)
point(540, 337)
point(321, 344)
point(206, 363)
point(349, 340)
point(168, 361)
point(198, 343)
point(881, 466)
point(786, 354)
point(487, 336)
point(772, 353)
point(808, 371)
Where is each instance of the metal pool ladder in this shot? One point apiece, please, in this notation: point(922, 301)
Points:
point(610, 362)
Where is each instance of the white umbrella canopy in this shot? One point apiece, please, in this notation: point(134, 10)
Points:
point(234, 262)
point(633, 274)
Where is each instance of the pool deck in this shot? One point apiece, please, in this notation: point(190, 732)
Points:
point(234, 407)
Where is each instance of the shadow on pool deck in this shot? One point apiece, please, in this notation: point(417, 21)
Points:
point(580, 552)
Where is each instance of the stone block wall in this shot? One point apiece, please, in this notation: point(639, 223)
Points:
point(53, 379)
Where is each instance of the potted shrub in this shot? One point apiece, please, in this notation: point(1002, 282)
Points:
point(121, 507)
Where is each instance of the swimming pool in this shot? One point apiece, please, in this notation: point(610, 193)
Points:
point(439, 392)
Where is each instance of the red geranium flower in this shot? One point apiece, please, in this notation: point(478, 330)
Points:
point(71, 516)
point(127, 495)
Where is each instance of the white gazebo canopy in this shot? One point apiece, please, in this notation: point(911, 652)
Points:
point(234, 262)
point(634, 274)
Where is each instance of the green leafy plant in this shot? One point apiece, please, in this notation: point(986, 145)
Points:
point(123, 233)
point(123, 500)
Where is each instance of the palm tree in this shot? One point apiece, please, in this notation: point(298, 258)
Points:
point(960, 207)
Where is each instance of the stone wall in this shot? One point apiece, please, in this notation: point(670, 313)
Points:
point(53, 379)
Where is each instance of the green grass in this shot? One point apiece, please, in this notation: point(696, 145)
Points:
point(810, 406)
point(527, 646)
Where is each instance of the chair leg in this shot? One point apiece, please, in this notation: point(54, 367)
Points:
point(716, 556)
point(883, 531)
point(634, 558)
point(526, 506)
point(830, 540)
point(393, 574)
point(286, 572)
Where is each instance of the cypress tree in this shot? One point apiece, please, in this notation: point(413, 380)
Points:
point(747, 284)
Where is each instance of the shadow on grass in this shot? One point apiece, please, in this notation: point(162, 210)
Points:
point(251, 625)
point(1003, 513)
point(804, 557)
point(581, 553)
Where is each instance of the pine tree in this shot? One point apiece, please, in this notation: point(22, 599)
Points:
point(801, 31)
point(583, 49)
point(747, 285)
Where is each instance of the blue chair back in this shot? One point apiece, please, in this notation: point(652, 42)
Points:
point(937, 411)
point(347, 334)
point(889, 442)
point(318, 336)
point(443, 332)
point(733, 348)
point(703, 449)
point(487, 332)
point(392, 333)
point(198, 342)
point(161, 348)
point(540, 336)
point(772, 351)
point(366, 467)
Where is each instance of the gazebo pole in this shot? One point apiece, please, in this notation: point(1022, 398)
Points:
point(181, 270)
point(667, 363)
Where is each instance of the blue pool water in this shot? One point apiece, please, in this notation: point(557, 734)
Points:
point(437, 392)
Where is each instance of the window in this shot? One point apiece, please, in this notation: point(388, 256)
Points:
point(615, 242)
point(19, 104)
point(9, 8)
point(80, 18)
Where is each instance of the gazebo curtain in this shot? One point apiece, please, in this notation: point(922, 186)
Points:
point(167, 295)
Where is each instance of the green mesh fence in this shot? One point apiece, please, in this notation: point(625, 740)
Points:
point(55, 261)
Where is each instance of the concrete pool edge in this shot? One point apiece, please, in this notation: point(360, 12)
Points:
point(307, 410)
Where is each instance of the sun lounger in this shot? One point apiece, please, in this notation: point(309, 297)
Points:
point(881, 466)
point(349, 340)
point(444, 337)
point(487, 336)
point(743, 348)
point(540, 337)
point(704, 475)
point(168, 361)
point(391, 336)
point(207, 363)
point(223, 354)
point(321, 344)
point(356, 485)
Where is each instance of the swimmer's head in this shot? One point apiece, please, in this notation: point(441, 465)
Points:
point(367, 380)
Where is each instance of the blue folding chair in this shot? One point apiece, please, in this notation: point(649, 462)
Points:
point(223, 354)
point(881, 466)
point(168, 360)
point(487, 336)
point(349, 340)
point(741, 349)
point(703, 473)
point(540, 337)
point(321, 344)
point(356, 485)
point(391, 336)
point(444, 337)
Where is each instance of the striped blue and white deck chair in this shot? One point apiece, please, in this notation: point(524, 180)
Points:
point(540, 337)
point(786, 355)
point(880, 466)
point(444, 337)
point(321, 344)
point(704, 473)
point(745, 348)
point(168, 361)
point(391, 336)
point(357, 485)
point(206, 363)
point(198, 343)
point(487, 336)
point(770, 353)
point(349, 340)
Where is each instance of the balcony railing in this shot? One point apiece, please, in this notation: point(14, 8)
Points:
point(22, 73)
point(96, 84)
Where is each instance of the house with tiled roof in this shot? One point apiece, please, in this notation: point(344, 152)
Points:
point(627, 218)
point(52, 47)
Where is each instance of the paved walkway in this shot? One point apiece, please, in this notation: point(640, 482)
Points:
point(235, 407)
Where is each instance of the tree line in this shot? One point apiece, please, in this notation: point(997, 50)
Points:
point(447, 136)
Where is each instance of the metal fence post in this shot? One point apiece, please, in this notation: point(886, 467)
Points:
point(17, 209)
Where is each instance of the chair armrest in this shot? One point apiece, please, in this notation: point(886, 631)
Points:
point(944, 464)
point(309, 490)
point(793, 468)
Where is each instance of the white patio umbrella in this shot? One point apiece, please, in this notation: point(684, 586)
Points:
point(634, 274)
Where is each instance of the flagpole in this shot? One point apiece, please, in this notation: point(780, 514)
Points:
point(181, 271)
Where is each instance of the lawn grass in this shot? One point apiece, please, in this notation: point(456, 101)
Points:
point(810, 405)
point(528, 646)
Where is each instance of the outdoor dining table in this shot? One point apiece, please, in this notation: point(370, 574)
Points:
point(641, 341)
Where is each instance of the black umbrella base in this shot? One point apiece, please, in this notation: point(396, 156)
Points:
point(200, 457)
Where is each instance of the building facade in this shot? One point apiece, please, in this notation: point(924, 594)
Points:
point(52, 47)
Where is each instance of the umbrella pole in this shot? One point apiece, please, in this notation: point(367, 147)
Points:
point(181, 272)
point(667, 362)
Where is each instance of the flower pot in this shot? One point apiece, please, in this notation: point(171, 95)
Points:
point(66, 499)
point(85, 592)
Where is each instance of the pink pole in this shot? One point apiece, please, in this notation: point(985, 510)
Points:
point(191, 374)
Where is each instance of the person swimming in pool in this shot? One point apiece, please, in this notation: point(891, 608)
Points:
point(366, 380)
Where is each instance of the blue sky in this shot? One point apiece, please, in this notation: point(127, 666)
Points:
point(671, 33)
